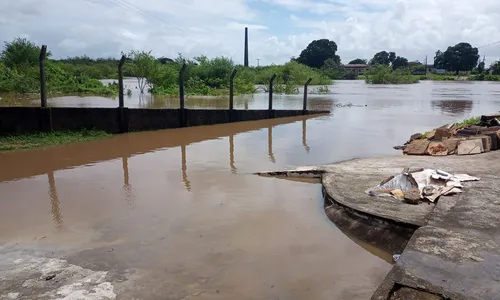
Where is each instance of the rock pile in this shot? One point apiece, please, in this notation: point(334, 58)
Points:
point(453, 139)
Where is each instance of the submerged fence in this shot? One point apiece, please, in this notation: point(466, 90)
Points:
point(43, 84)
point(122, 119)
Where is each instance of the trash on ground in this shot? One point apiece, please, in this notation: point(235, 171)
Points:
point(413, 186)
point(395, 257)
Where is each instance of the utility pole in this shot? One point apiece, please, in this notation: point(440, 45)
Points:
point(426, 65)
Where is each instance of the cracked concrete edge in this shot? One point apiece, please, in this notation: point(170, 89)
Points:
point(32, 275)
point(301, 172)
point(381, 233)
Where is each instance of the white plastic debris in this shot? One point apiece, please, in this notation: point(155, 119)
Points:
point(432, 183)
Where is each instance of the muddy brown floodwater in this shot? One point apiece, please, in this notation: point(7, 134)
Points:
point(176, 214)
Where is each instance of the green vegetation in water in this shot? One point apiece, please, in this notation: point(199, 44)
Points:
point(41, 139)
point(322, 90)
point(382, 74)
point(210, 77)
point(19, 73)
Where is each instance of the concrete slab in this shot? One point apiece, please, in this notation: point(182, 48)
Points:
point(417, 147)
point(446, 263)
point(470, 147)
point(347, 188)
point(452, 249)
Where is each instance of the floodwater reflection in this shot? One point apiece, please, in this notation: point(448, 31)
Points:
point(455, 107)
point(270, 145)
point(186, 201)
point(54, 201)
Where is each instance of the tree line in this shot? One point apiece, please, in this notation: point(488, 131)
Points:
point(461, 57)
point(158, 75)
point(210, 76)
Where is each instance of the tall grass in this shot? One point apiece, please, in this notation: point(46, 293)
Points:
point(41, 139)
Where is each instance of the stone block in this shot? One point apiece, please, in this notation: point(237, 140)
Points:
point(437, 149)
point(495, 140)
point(417, 147)
point(469, 147)
point(467, 132)
point(416, 136)
point(452, 144)
point(485, 140)
point(431, 135)
point(441, 133)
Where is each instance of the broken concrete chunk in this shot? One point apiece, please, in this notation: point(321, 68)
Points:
point(417, 147)
point(431, 135)
point(469, 147)
point(437, 149)
point(495, 141)
point(467, 132)
point(452, 144)
point(416, 136)
point(485, 140)
point(441, 133)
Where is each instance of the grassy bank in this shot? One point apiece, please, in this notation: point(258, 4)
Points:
point(38, 139)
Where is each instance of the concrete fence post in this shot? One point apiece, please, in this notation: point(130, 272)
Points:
point(43, 82)
point(231, 89)
point(120, 82)
point(182, 110)
point(231, 95)
point(304, 105)
point(45, 114)
point(271, 82)
point(122, 110)
point(181, 84)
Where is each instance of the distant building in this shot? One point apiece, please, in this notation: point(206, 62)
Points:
point(433, 70)
point(357, 69)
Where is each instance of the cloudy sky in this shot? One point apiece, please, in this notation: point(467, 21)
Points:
point(279, 29)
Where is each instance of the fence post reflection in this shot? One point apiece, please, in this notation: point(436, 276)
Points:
point(231, 154)
point(127, 188)
point(54, 201)
point(185, 179)
point(270, 144)
point(304, 136)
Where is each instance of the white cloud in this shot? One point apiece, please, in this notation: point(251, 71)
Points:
point(359, 27)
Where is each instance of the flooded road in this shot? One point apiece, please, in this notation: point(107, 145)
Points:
point(176, 214)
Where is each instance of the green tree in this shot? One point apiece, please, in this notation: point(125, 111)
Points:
point(399, 62)
point(392, 56)
point(20, 53)
point(439, 62)
point(461, 57)
point(381, 58)
point(144, 67)
point(332, 69)
point(358, 61)
point(480, 67)
point(495, 68)
point(317, 52)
